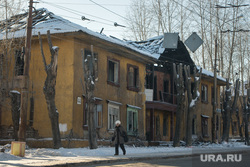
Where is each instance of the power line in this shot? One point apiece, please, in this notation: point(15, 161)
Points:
point(74, 11)
point(109, 10)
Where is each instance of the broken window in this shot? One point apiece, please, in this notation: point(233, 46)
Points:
point(133, 77)
point(113, 71)
point(19, 62)
point(204, 95)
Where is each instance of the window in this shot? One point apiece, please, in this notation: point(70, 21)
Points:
point(133, 77)
point(132, 121)
point(19, 62)
point(165, 125)
point(204, 95)
point(113, 72)
point(204, 124)
point(97, 114)
point(212, 95)
point(113, 115)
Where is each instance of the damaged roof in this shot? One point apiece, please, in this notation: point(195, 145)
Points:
point(181, 54)
point(44, 20)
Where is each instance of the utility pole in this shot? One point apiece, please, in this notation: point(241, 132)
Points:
point(214, 132)
point(215, 97)
point(25, 78)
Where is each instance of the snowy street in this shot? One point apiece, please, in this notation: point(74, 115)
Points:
point(81, 156)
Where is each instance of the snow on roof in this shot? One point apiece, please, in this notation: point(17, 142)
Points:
point(152, 45)
point(44, 20)
point(210, 74)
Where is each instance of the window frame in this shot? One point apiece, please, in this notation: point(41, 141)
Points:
point(85, 113)
point(135, 85)
point(134, 120)
point(111, 123)
point(204, 127)
point(110, 82)
point(19, 62)
point(212, 95)
point(206, 93)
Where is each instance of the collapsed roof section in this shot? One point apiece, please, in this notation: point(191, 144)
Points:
point(179, 55)
point(155, 47)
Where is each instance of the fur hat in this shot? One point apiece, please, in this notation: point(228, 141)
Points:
point(118, 122)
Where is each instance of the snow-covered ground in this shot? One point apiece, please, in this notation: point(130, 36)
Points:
point(45, 156)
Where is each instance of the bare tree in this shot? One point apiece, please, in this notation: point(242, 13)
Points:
point(90, 77)
point(246, 110)
point(179, 82)
point(8, 46)
point(229, 108)
point(15, 104)
point(49, 89)
point(193, 99)
point(140, 19)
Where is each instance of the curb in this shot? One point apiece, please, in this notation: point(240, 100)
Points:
point(145, 158)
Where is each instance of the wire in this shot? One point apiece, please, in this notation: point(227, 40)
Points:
point(108, 10)
point(74, 11)
point(86, 4)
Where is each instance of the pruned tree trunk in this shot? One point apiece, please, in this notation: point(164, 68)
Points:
point(178, 79)
point(49, 90)
point(239, 124)
point(246, 105)
point(229, 109)
point(15, 108)
point(227, 113)
point(90, 77)
point(193, 99)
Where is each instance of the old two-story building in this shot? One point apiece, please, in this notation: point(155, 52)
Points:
point(119, 91)
point(161, 93)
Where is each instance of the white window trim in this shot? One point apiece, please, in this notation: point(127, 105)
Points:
point(116, 106)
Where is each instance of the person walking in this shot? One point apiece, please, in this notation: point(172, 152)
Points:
point(118, 137)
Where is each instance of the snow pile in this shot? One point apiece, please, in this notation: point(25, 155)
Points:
point(46, 156)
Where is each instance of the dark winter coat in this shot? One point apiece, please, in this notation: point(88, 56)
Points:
point(118, 135)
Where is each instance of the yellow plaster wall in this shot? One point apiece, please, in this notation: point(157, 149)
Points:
point(106, 91)
point(64, 81)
